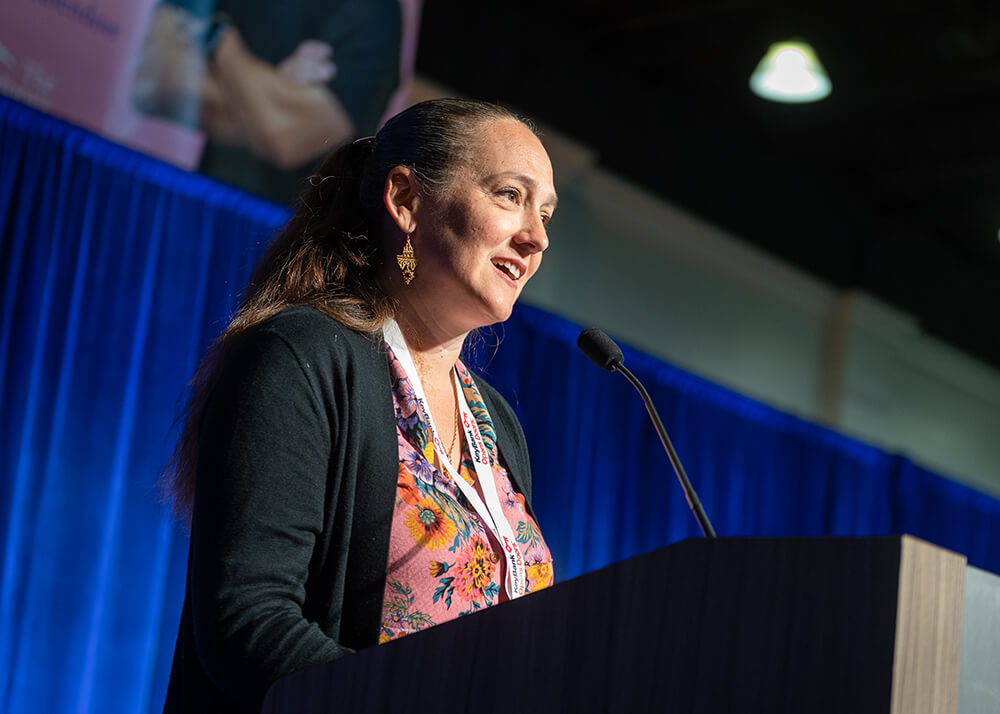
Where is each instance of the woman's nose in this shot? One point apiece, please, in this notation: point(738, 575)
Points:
point(534, 234)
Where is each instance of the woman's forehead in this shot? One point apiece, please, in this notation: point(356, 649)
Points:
point(509, 148)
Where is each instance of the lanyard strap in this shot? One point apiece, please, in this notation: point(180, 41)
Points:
point(491, 512)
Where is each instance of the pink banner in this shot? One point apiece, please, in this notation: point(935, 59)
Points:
point(76, 59)
point(235, 88)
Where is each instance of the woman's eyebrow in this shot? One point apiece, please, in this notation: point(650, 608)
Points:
point(528, 181)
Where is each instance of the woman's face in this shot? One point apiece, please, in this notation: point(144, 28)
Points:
point(481, 239)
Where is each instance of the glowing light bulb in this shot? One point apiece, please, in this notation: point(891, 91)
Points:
point(790, 72)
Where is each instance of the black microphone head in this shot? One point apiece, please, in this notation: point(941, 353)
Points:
point(600, 348)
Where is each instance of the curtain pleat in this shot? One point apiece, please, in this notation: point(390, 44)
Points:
point(117, 272)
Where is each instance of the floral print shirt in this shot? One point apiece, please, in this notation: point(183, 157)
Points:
point(443, 561)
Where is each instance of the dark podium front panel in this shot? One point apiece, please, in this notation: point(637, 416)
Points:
point(732, 625)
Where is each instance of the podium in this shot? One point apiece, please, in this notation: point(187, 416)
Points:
point(730, 625)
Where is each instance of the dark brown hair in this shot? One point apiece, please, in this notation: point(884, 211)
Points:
point(331, 251)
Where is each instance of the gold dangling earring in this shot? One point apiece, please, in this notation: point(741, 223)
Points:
point(407, 261)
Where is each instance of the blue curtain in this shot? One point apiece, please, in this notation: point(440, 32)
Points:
point(118, 270)
point(604, 490)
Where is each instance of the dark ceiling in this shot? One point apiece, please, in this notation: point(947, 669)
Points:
point(890, 185)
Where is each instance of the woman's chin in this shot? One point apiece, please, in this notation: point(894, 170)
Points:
point(501, 312)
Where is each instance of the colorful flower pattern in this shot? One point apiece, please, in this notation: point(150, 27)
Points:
point(428, 525)
point(396, 612)
point(441, 560)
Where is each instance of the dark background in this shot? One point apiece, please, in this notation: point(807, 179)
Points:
point(890, 185)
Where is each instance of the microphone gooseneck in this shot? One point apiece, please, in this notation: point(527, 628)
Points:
point(603, 352)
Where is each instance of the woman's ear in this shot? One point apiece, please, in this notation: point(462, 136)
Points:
point(401, 196)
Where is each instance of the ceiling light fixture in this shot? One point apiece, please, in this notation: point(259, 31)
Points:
point(790, 72)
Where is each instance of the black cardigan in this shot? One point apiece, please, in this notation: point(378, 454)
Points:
point(294, 497)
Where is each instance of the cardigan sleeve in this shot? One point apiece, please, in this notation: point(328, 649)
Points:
point(262, 474)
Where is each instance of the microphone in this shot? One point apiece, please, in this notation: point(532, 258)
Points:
point(602, 351)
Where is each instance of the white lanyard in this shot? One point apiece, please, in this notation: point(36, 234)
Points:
point(491, 513)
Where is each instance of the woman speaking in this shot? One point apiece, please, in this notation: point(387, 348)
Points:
point(347, 479)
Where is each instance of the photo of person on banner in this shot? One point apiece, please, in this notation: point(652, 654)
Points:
point(272, 85)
